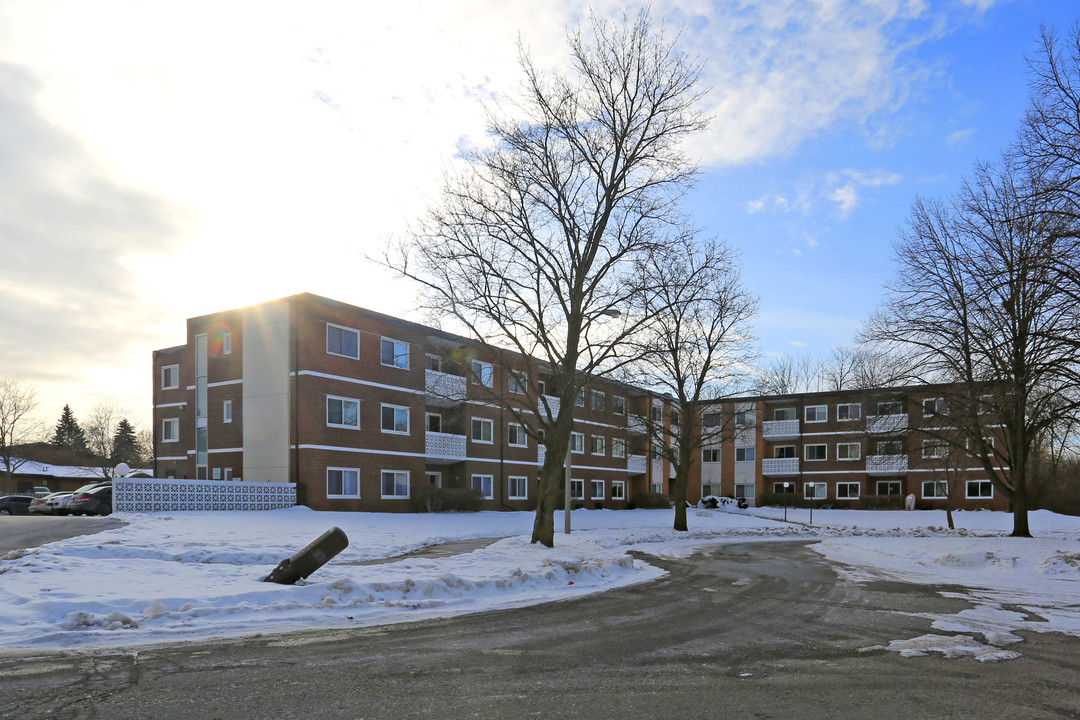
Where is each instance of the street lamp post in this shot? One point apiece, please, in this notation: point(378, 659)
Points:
point(787, 500)
point(810, 486)
point(566, 499)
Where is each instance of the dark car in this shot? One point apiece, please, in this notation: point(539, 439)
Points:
point(15, 505)
point(92, 502)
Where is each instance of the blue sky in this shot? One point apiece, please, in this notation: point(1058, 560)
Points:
point(164, 160)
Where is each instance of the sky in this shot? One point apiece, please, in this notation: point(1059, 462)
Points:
point(164, 577)
point(163, 160)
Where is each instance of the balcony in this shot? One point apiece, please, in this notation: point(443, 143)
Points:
point(887, 464)
point(780, 467)
point(886, 424)
point(636, 425)
point(444, 389)
point(553, 405)
point(780, 429)
point(636, 464)
point(444, 448)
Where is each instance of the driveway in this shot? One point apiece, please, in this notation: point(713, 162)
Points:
point(19, 532)
point(758, 630)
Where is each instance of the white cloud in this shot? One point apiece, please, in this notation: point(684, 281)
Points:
point(843, 188)
point(960, 136)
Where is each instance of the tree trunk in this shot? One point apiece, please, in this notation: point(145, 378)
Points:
point(1020, 514)
point(551, 476)
point(678, 489)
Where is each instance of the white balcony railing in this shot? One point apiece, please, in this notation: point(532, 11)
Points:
point(636, 464)
point(780, 429)
point(780, 466)
point(445, 387)
point(886, 424)
point(553, 405)
point(445, 445)
point(636, 425)
point(541, 453)
point(886, 464)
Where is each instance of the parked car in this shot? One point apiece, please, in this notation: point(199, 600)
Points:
point(15, 505)
point(40, 505)
point(58, 503)
point(92, 502)
point(40, 492)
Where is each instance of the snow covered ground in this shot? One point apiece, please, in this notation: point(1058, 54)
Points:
point(185, 576)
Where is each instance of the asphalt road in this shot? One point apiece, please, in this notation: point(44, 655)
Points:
point(759, 630)
point(26, 531)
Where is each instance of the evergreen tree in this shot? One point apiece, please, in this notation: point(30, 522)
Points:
point(68, 434)
point(125, 445)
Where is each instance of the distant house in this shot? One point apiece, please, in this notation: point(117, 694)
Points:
point(42, 465)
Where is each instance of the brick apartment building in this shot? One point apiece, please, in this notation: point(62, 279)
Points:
point(857, 449)
point(358, 408)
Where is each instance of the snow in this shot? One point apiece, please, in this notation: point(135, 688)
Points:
point(165, 577)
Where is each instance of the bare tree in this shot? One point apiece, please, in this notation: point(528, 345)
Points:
point(18, 398)
point(100, 433)
point(696, 347)
point(788, 375)
point(533, 247)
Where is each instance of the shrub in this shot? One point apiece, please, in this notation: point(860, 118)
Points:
point(795, 500)
point(428, 498)
point(650, 501)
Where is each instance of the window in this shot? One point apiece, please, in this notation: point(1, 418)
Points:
point(784, 414)
point(541, 387)
point(515, 435)
point(342, 482)
point(394, 353)
point(342, 341)
point(618, 489)
point(596, 444)
point(228, 474)
point(577, 489)
point(889, 487)
point(744, 454)
point(848, 490)
point(484, 484)
point(711, 420)
point(342, 412)
point(483, 373)
point(744, 490)
point(577, 442)
point(597, 488)
point(848, 451)
point(816, 413)
point(226, 343)
point(816, 452)
point(783, 487)
point(815, 491)
point(597, 400)
point(890, 407)
point(482, 430)
point(784, 451)
point(710, 455)
point(395, 419)
point(433, 363)
point(395, 484)
point(579, 399)
point(618, 448)
point(226, 411)
point(434, 479)
point(657, 415)
point(973, 446)
point(745, 418)
point(170, 430)
point(517, 487)
point(977, 489)
point(889, 447)
point(935, 489)
point(433, 422)
point(987, 404)
point(935, 449)
point(618, 404)
point(934, 406)
point(517, 383)
point(675, 416)
point(170, 377)
point(658, 487)
point(848, 411)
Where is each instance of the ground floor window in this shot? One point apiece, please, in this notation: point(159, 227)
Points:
point(342, 482)
point(434, 479)
point(597, 487)
point(980, 489)
point(577, 489)
point(658, 487)
point(744, 490)
point(484, 484)
point(783, 487)
point(848, 490)
point(935, 489)
point(395, 484)
point(889, 487)
point(707, 490)
point(618, 490)
point(815, 491)
point(518, 488)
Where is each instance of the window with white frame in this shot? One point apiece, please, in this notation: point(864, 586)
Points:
point(434, 479)
point(889, 487)
point(848, 451)
point(482, 430)
point(170, 377)
point(517, 382)
point(816, 452)
point(433, 422)
point(781, 488)
point(657, 486)
point(597, 489)
point(517, 487)
point(973, 446)
point(889, 447)
point(784, 413)
point(934, 406)
point(847, 412)
point(676, 416)
point(395, 419)
point(815, 491)
point(433, 363)
point(980, 489)
point(848, 490)
point(485, 484)
point(228, 474)
point(226, 411)
point(935, 489)
point(618, 404)
point(657, 414)
point(226, 343)
point(577, 489)
point(935, 449)
point(890, 407)
point(745, 418)
point(784, 451)
point(710, 455)
point(395, 484)
point(596, 444)
point(712, 419)
point(987, 404)
point(483, 373)
point(597, 400)
point(394, 353)
point(342, 341)
point(618, 489)
point(515, 435)
point(744, 454)
point(342, 412)
point(342, 482)
point(170, 430)
point(579, 399)
point(816, 413)
point(618, 448)
point(577, 442)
